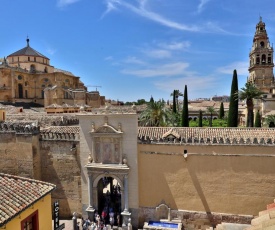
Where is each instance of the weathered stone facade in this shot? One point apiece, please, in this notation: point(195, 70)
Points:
point(27, 76)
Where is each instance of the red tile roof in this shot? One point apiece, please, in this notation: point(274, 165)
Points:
point(19, 193)
point(248, 136)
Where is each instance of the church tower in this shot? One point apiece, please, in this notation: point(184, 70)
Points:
point(261, 60)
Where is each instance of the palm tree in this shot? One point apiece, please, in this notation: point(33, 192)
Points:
point(248, 93)
point(156, 114)
point(269, 121)
point(211, 110)
point(176, 93)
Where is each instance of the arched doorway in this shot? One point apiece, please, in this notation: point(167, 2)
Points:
point(109, 200)
point(20, 90)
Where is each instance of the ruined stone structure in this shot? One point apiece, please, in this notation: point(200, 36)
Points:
point(27, 76)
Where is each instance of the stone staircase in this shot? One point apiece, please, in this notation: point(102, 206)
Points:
point(265, 220)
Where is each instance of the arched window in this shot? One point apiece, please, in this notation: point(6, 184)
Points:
point(32, 69)
point(20, 91)
point(257, 60)
point(263, 59)
point(262, 44)
point(46, 69)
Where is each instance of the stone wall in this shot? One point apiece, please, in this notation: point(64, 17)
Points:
point(16, 154)
point(221, 179)
point(60, 165)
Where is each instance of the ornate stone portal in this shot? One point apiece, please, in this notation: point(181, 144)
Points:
point(107, 160)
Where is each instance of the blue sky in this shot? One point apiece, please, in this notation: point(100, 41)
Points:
point(137, 48)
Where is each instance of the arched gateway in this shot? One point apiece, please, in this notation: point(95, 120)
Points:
point(108, 174)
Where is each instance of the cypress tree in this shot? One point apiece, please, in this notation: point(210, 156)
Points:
point(233, 106)
point(174, 102)
point(200, 119)
point(221, 113)
point(185, 120)
point(151, 100)
point(258, 120)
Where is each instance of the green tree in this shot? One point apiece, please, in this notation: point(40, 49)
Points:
point(211, 111)
point(258, 119)
point(156, 114)
point(151, 99)
point(233, 106)
point(221, 112)
point(249, 93)
point(174, 102)
point(269, 121)
point(200, 119)
point(176, 93)
point(185, 116)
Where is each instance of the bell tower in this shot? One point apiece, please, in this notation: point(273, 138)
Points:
point(261, 60)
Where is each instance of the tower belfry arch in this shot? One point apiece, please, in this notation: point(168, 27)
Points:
point(261, 60)
point(106, 161)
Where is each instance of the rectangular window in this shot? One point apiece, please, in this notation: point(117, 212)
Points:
point(31, 222)
point(26, 93)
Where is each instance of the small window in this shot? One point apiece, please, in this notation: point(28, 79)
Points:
point(262, 44)
point(35, 59)
point(28, 58)
point(43, 86)
point(31, 222)
point(20, 77)
point(46, 80)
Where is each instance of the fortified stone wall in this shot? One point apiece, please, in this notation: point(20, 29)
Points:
point(60, 163)
point(18, 152)
point(230, 179)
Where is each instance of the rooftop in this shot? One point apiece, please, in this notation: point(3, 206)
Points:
point(19, 193)
point(28, 51)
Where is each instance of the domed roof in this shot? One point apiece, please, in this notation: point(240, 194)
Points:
point(27, 51)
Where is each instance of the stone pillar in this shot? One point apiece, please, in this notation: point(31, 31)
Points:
point(126, 214)
point(74, 221)
point(90, 210)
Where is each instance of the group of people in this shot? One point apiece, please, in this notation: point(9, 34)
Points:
point(101, 222)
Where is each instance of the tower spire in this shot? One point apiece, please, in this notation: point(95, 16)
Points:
point(28, 41)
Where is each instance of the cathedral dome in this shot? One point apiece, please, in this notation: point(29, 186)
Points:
point(27, 51)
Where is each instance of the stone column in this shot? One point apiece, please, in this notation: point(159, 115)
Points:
point(90, 210)
point(126, 214)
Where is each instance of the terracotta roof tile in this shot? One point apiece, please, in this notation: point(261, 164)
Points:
point(18, 193)
point(61, 129)
point(212, 135)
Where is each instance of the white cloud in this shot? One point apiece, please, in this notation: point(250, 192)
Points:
point(110, 6)
point(198, 86)
point(63, 3)
point(51, 51)
point(157, 53)
point(175, 45)
point(241, 67)
point(134, 60)
point(141, 11)
point(201, 5)
point(172, 69)
point(109, 58)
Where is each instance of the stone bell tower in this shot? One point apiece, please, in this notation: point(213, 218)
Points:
point(261, 60)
